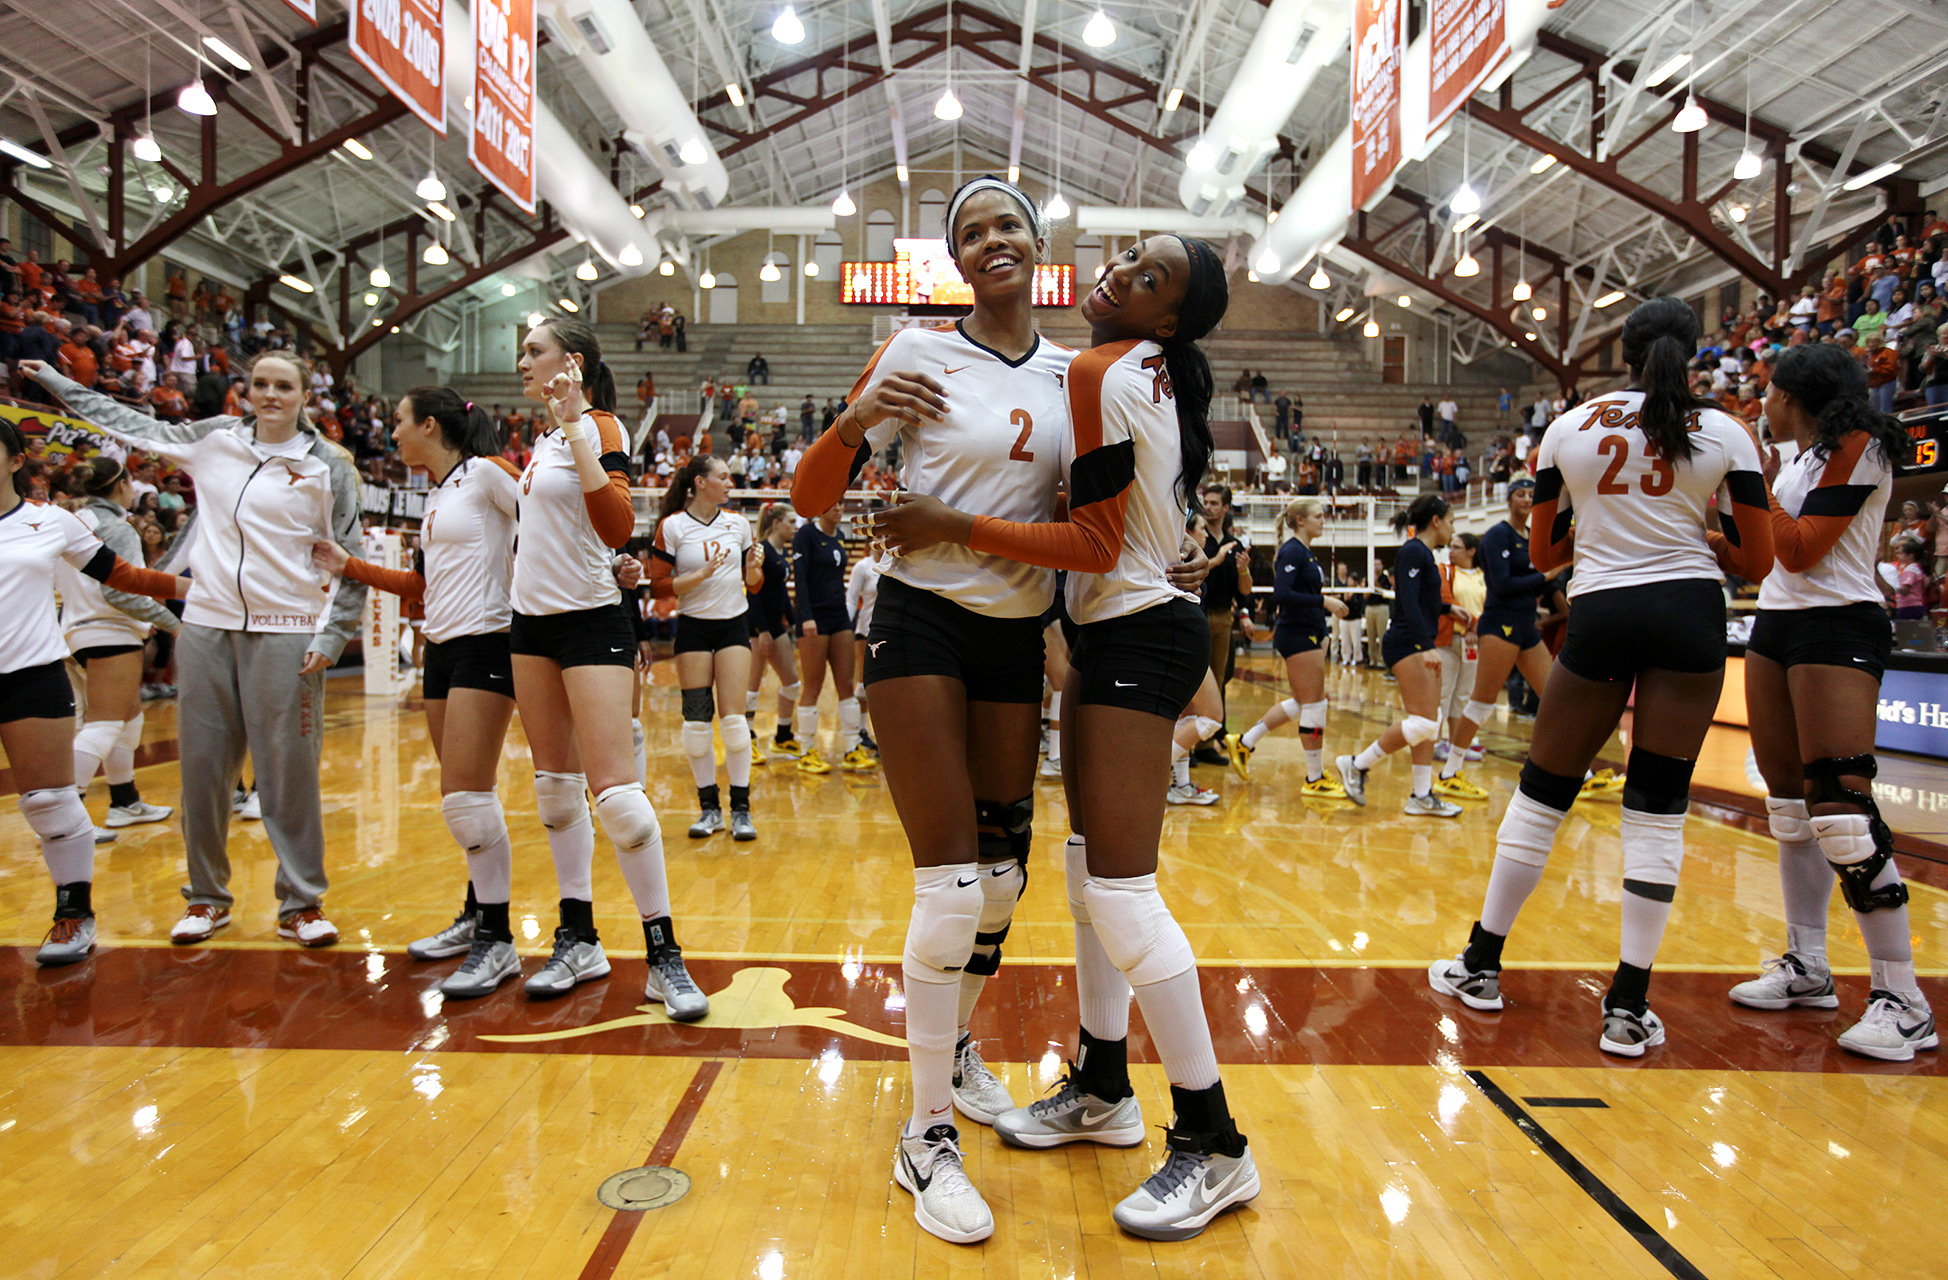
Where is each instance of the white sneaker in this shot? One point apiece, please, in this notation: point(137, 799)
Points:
point(308, 928)
point(1431, 806)
point(978, 1094)
point(253, 808)
point(1353, 778)
point(1189, 793)
point(68, 942)
point(1789, 980)
point(945, 1203)
point(573, 962)
point(489, 963)
point(1476, 990)
point(1180, 1199)
point(670, 984)
point(104, 836)
point(129, 815)
point(1050, 769)
point(1892, 1029)
point(198, 923)
point(454, 940)
point(1627, 1035)
point(1070, 1115)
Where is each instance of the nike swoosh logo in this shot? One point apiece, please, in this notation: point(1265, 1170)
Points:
point(1205, 1194)
point(963, 367)
point(1096, 1117)
point(1916, 1028)
point(964, 883)
point(613, 650)
point(919, 1183)
point(1124, 684)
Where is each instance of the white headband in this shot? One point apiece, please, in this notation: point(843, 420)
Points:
point(1036, 222)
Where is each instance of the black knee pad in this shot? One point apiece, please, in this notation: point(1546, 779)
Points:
point(1657, 784)
point(1552, 790)
point(1005, 830)
point(700, 704)
point(1823, 785)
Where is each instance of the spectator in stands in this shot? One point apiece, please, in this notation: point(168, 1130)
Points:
point(1898, 316)
point(1298, 417)
point(646, 327)
point(827, 416)
point(1332, 474)
point(646, 391)
point(1871, 325)
point(677, 331)
point(31, 274)
point(212, 388)
point(75, 357)
point(168, 402)
point(1934, 369)
point(1447, 411)
point(666, 326)
point(9, 267)
point(1883, 375)
point(36, 341)
point(758, 371)
point(1242, 387)
point(1261, 389)
point(1282, 421)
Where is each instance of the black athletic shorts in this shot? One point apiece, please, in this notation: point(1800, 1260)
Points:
point(1152, 660)
point(96, 652)
point(1396, 647)
point(598, 637)
point(831, 622)
point(759, 623)
point(1848, 635)
point(1289, 638)
point(1516, 626)
point(37, 693)
point(918, 633)
point(707, 635)
point(1672, 626)
point(468, 662)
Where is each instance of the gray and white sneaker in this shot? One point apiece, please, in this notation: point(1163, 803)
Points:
point(1353, 778)
point(447, 943)
point(708, 823)
point(978, 1094)
point(253, 807)
point(670, 984)
point(1476, 990)
point(1430, 806)
point(741, 826)
point(129, 815)
point(945, 1203)
point(1189, 793)
point(1180, 1199)
point(489, 963)
point(1627, 1035)
point(1892, 1029)
point(1070, 1115)
point(1789, 980)
point(574, 961)
point(73, 937)
point(104, 836)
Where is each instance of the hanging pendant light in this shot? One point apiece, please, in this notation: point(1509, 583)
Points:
point(811, 268)
point(381, 278)
point(587, 270)
point(435, 255)
point(1100, 32)
point(1371, 329)
point(1465, 200)
point(1319, 280)
point(1691, 118)
point(787, 29)
point(630, 256)
point(1522, 292)
point(769, 272)
point(843, 206)
point(1467, 266)
point(666, 268)
point(1057, 208)
point(948, 107)
point(195, 99)
point(430, 187)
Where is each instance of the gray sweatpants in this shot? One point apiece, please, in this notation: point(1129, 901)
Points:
point(236, 690)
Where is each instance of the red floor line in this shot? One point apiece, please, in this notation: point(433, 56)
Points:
point(622, 1227)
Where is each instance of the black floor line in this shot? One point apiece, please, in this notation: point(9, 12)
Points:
point(1594, 1187)
point(1567, 1102)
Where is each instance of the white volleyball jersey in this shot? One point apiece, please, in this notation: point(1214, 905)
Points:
point(560, 565)
point(467, 547)
point(687, 543)
point(1640, 519)
point(862, 593)
point(34, 536)
point(1836, 504)
point(998, 452)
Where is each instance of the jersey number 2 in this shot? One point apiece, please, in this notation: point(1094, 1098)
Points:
point(1655, 482)
point(1020, 418)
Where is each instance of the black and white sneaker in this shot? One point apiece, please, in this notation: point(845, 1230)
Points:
point(1628, 1035)
point(1353, 778)
point(489, 962)
point(671, 985)
point(574, 962)
point(1892, 1029)
point(945, 1203)
point(1790, 980)
point(741, 826)
point(1070, 1115)
point(454, 940)
point(1179, 1200)
point(978, 1092)
point(708, 823)
point(1476, 990)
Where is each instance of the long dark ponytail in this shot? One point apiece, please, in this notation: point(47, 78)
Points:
point(578, 339)
point(466, 428)
point(683, 485)
point(1659, 339)
point(1206, 295)
point(1833, 388)
point(1425, 510)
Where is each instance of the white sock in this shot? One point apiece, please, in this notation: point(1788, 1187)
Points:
point(1001, 885)
point(848, 724)
point(933, 992)
point(1102, 992)
point(1180, 770)
point(1654, 843)
point(808, 727)
point(736, 731)
point(1369, 757)
point(1315, 765)
point(1806, 880)
point(118, 766)
point(480, 827)
point(697, 746)
point(1522, 844)
point(1173, 1013)
point(1254, 735)
point(630, 822)
point(751, 703)
point(92, 743)
point(563, 806)
point(1455, 759)
point(1423, 779)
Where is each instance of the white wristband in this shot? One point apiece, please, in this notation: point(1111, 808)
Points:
point(573, 431)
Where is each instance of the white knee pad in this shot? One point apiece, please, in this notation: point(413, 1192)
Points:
point(790, 692)
point(1478, 712)
point(808, 722)
point(1312, 716)
point(736, 731)
point(56, 813)
point(1788, 820)
point(1653, 848)
point(1137, 931)
point(696, 738)
point(131, 734)
point(1845, 838)
point(1290, 709)
point(1528, 831)
point(848, 715)
point(947, 905)
point(475, 818)
point(627, 816)
point(95, 739)
point(1206, 726)
point(1075, 864)
point(1419, 729)
point(561, 799)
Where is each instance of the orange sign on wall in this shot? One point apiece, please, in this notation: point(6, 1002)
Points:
point(1468, 41)
point(1379, 50)
point(501, 145)
point(308, 9)
point(403, 43)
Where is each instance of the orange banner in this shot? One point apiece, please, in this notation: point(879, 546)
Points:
point(307, 9)
point(501, 144)
point(1468, 41)
point(1379, 50)
point(403, 44)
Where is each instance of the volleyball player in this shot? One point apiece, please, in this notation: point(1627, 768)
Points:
point(36, 700)
point(461, 574)
point(825, 641)
point(1819, 644)
point(261, 627)
point(1299, 636)
point(1408, 648)
point(955, 659)
point(105, 630)
point(861, 594)
point(1198, 723)
point(1461, 583)
point(710, 560)
point(574, 664)
point(771, 629)
point(1635, 471)
point(1139, 441)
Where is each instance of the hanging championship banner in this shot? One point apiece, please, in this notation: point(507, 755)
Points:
point(403, 44)
point(1379, 50)
point(307, 9)
point(1468, 42)
point(501, 145)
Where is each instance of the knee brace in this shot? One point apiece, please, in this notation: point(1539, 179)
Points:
point(1312, 716)
point(1478, 712)
point(1419, 729)
point(1528, 830)
point(1016, 824)
point(1550, 790)
point(1657, 784)
point(737, 733)
point(1075, 867)
point(475, 818)
point(1858, 845)
point(1206, 726)
point(1001, 889)
point(627, 816)
point(1787, 820)
point(790, 692)
point(1653, 853)
point(56, 813)
point(95, 738)
point(1137, 931)
point(699, 705)
point(947, 904)
point(561, 799)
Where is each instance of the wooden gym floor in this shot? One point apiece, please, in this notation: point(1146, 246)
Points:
point(245, 1108)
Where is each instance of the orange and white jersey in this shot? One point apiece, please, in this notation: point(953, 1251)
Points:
point(34, 537)
point(467, 543)
point(1639, 519)
point(687, 544)
point(998, 452)
point(1826, 526)
point(561, 563)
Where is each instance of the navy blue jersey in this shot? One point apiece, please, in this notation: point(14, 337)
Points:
point(1513, 582)
point(818, 571)
point(1417, 606)
point(772, 600)
point(1298, 584)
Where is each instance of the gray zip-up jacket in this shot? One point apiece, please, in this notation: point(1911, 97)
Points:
point(94, 615)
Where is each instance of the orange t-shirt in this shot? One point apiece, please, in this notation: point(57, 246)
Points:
point(30, 275)
point(167, 400)
point(79, 363)
point(12, 319)
point(233, 402)
point(88, 289)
